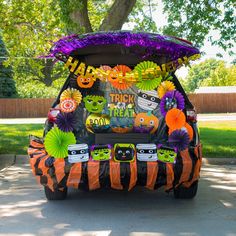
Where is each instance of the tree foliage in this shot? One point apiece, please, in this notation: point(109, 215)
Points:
point(210, 72)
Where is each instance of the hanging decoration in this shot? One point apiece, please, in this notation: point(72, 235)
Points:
point(146, 152)
point(146, 121)
point(68, 105)
point(121, 105)
point(78, 153)
point(188, 128)
point(66, 122)
point(175, 119)
point(166, 154)
point(56, 142)
point(179, 139)
point(147, 80)
point(73, 94)
point(119, 82)
point(94, 103)
point(85, 82)
point(148, 100)
point(101, 152)
point(165, 86)
point(124, 152)
point(172, 99)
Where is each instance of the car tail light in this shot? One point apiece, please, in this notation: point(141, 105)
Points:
point(191, 115)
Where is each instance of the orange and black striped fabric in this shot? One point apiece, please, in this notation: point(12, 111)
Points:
point(94, 175)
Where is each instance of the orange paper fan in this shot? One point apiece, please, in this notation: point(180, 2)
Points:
point(175, 119)
point(188, 128)
point(116, 81)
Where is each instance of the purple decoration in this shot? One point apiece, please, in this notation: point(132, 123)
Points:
point(142, 129)
point(153, 44)
point(179, 139)
point(66, 121)
point(172, 99)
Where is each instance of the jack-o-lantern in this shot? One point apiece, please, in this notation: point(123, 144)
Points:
point(146, 120)
point(85, 82)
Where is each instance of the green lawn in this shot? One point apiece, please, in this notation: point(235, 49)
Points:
point(218, 138)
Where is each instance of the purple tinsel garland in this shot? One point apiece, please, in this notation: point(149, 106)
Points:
point(172, 95)
point(66, 121)
point(153, 43)
point(179, 139)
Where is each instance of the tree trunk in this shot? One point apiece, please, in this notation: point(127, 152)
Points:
point(117, 15)
point(47, 72)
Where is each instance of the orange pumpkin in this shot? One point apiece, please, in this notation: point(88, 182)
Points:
point(146, 120)
point(85, 82)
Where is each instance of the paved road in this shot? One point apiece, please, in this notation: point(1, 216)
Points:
point(25, 212)
point(201, 117)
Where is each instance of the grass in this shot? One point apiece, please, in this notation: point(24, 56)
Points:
point(218, 138)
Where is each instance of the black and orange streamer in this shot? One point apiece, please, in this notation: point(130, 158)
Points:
point(169, 176)
point(152, 171)
point(93, 175)
point(75, 175)
point(115, 175)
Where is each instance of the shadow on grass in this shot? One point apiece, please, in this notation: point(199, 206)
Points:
point(218, 142)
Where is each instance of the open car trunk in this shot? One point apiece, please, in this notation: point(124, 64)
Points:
point(120, 115)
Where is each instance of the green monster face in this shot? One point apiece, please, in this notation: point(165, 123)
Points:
point(94, 104)
point(166, 155)
point(101, 152)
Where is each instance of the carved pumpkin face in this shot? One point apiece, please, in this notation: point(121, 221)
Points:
point(85, 82)
point(146, 120)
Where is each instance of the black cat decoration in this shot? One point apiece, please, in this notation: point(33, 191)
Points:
point(124, 152)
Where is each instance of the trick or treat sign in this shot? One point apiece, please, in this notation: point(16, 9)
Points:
point(121, 105)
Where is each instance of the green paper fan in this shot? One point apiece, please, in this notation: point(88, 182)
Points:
point(56, 142)
point(152, 82)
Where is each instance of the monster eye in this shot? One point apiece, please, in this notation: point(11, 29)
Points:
point(88, 79)
point(171, 155)
point(100, 101)
point(150, 151)
point(105, 152)
point(141, 119)
point(144, 96)
point(141, 151)
point(161, 153)
point(151, 122)
point(153, 99)
point(73, 152)
point(89, 100)
point(127, 152)
point(82, 151)
point(119, 152)
point(96, 154)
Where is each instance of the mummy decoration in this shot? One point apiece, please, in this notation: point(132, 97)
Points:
point(148, 100)
point(166, 154)
point(78, 153)
point(146, 152)
point(101, 152)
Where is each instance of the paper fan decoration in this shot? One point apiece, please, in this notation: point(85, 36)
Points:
point(71, 93)
point(56, 142)
point(165, 87)
point(179, 139)
point(66, 121)
point(172, 99)
point(116, 81)
point(188, 128)
point(175, 119)
point(68, 105)
point(151, 81)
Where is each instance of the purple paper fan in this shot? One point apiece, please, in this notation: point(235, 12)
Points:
point(179, 139)
point(172, 99)
point(142, 129)
point(66, 121)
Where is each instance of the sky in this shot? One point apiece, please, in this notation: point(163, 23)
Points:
point(209, 50)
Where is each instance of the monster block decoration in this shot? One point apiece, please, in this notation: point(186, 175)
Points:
point(148, 100)
point(101, 152)
point(121, 105)
point(146, 152)
point(124, 152)
point(78, 153)
point(166, 154)
point(94, 103)
point(146, 121)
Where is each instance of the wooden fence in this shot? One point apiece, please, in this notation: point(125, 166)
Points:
point(38, 107)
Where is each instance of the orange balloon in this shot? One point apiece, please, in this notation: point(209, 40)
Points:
point(175, 119)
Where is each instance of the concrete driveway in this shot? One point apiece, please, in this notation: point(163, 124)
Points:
point(25, 212)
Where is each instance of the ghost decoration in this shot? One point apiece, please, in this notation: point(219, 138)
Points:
point(146, 152)
point(148, 100)
point(78, 153)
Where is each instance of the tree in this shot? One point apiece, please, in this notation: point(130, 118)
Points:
point(199, 73)
point(7, 84)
